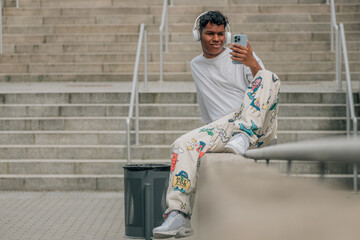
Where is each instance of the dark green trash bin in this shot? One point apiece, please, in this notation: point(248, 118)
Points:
point(144, 192)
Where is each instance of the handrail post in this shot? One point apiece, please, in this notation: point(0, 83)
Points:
point(348, 78)
point(128, 140)
point(164, 23)
point(350, 108)
point(135, 94)
point(348, 131)
point(17, 3)
point(145, 60)
point(161, 58)
point(1, 36)
point(137, 114)
point(332, 23)
point(338, 59)
point(166, 32)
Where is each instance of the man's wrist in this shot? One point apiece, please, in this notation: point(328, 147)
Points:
point(255, 67)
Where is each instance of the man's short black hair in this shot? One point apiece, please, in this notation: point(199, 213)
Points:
point(213, 17)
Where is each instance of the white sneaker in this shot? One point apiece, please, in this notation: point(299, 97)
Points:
point(176, 225)
point(238, 144)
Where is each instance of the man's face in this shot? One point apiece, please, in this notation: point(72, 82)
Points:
point(212, 40)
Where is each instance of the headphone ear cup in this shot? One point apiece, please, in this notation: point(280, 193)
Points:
point(227, 37)
point(196, 35)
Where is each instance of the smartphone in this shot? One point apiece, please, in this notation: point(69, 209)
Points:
point(240, 39)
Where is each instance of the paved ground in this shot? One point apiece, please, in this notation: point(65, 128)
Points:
point(61, 215)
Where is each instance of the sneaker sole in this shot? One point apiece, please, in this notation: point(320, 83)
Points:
point(231, 149)
point(184, 232)
point(179, 233)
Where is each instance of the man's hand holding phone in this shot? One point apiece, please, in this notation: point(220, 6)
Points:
point(243, 54)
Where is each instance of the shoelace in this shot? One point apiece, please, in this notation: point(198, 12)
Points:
point(172, 214)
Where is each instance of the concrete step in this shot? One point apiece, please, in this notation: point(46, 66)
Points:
point(153, 77)
point(269, 17)
point(183, 38)
point(318, 56)
point(324, 56)
point(153, 67)
point(145, 152)
point(153, 123)
point(183, 18)
point(68, 166)
point(115, 182)
point(234, 2)
point(178, 38)
point(77, 20)
point(119, 137)
point(77, 38)
point(73, 58)
point(114, 167)
point(52, 12)
point(160, 110)
point(340, 17)
point(81, 3)
point(157, 10)
point(60, 182)
point(266, 37)
point(189, 9)
point(67, 95)
point(258, 47)
point(174, 28)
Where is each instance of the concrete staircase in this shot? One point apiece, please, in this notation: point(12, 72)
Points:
point(96, 40)
point(70, 135)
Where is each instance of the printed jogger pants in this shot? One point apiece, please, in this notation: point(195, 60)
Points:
point(257, 118)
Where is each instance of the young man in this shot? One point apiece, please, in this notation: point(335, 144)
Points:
point(240, 111)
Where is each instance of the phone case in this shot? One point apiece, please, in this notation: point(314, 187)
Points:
point(240, 39)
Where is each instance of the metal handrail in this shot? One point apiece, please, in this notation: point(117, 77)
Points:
point(164, 23)
point(135, 91)
point(340, 43)
point(350, 107)
point(324, 150)
point(1, 24)
point(334, 26)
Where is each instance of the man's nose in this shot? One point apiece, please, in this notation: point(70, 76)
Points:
point(216, 37)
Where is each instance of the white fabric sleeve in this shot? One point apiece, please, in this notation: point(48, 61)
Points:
point(204, 113)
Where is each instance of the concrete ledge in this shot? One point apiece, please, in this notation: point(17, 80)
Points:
point(62, 182)
point(241, 199)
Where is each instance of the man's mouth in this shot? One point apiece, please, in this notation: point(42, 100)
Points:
point(216, 45)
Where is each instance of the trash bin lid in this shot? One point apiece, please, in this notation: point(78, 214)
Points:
point(148, 166)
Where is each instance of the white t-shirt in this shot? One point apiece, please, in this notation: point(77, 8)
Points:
point(220, 84)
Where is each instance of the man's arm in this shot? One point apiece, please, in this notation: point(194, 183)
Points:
point(245, 56)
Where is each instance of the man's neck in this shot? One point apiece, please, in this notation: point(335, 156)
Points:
point(208, 55)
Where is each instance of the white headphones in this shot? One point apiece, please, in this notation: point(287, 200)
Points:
point(196, 30)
